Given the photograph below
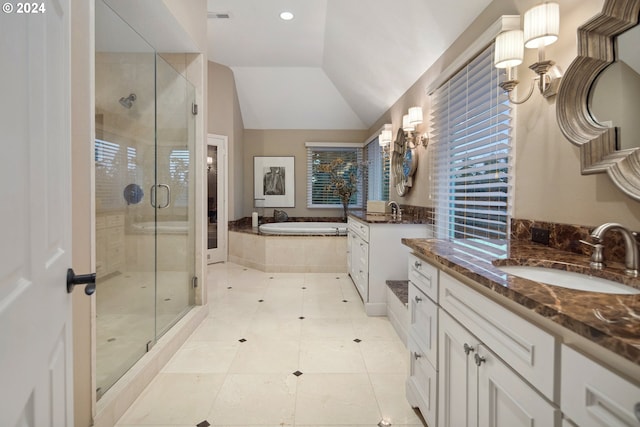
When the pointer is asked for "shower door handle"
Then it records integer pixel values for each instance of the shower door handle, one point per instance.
(152, 196)
(168, 202)
(153, 193)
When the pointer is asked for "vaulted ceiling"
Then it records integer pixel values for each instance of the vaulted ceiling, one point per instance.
(339, 64)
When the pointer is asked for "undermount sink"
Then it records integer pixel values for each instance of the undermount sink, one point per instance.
(568, 279)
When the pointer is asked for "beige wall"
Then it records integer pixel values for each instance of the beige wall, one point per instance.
(548, 183)
(224, 118)
(189, 15)
(290, 143)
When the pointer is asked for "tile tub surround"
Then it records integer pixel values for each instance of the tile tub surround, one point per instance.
(574, 310)
(292, 254)
(567, 237)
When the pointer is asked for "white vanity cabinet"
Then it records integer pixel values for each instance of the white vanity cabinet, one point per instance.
(593, 396)
(422, 384)
(503, 365)
(376, 254)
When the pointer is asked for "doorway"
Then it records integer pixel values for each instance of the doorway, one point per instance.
(217, 192)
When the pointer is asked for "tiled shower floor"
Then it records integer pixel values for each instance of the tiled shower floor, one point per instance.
(280, 349)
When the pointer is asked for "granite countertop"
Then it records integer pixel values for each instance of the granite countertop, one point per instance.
(386, 218)
(611, 321)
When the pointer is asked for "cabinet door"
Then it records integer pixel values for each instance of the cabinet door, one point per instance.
(505, 400)
(423, 323)
(593, 396)
(458, 381)
(422, 384)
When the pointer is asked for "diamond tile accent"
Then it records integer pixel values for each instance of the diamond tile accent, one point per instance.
(205, 423)
(297, 373)
(344, 300)
(357, 340)
(260, 300)
(301, 317)
(242, 340)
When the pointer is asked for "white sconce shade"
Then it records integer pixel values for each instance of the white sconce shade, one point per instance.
(415, 116)
(209, 160)
(541, 25)
(385, 136)
(406, 125)
(509, 50)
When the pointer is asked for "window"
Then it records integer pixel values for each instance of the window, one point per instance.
(179, 176)
(115, 169)
(317, 181)
(378, 163)
(471, 119)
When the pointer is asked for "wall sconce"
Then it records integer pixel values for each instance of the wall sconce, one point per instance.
(409, 123)
(385, 138)
(209, 163)
(541, 28)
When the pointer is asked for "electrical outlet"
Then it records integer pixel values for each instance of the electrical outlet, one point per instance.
(540, 235)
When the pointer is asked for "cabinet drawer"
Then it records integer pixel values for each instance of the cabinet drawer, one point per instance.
(423, 323)
(522, 345)
(422, 386)
(359, 228)
(424, 276)
(593, 396)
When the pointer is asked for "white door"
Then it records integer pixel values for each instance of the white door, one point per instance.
(35, 249)
(217, 199)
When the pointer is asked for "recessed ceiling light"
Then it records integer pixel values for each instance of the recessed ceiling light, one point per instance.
(286, 16)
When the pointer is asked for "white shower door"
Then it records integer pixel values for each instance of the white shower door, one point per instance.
(35, 249)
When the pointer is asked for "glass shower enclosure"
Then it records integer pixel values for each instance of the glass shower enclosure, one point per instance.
(144, 196)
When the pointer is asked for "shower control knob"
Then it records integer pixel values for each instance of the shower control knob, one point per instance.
(81, 279)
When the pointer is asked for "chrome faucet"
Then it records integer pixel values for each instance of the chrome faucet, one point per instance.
(632, 257)
(396, 212)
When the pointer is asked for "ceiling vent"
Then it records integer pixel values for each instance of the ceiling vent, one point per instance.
(218, 15)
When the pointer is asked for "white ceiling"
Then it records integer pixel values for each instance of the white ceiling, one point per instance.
(339, 64)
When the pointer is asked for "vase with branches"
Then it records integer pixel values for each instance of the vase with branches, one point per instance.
(343, 180)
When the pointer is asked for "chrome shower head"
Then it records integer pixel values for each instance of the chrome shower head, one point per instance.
(128, 101)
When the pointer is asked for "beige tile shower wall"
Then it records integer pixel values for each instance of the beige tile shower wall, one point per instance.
(290, 143)
(548, 183)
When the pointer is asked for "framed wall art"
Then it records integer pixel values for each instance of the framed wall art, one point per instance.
(274, 182)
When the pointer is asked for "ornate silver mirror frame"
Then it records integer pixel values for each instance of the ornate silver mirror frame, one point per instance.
(597, 142)
(404, 162)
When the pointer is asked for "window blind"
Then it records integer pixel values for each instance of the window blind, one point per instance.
(318, 194)
(472, 124)
(115, 168)
(378, 167)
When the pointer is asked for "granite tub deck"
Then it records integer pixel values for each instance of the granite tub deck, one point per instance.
(611, 321)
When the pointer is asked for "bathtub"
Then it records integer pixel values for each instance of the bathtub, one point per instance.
(163, 227)
(305, 228)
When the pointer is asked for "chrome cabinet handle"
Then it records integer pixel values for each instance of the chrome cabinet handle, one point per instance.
(468, 349)
(416, 355)
(479, 359)
(418, 299)
(417, 264)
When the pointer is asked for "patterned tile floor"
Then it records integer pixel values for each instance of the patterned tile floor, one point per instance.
(283, 349)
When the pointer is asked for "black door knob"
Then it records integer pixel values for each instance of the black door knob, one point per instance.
(81, 279)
